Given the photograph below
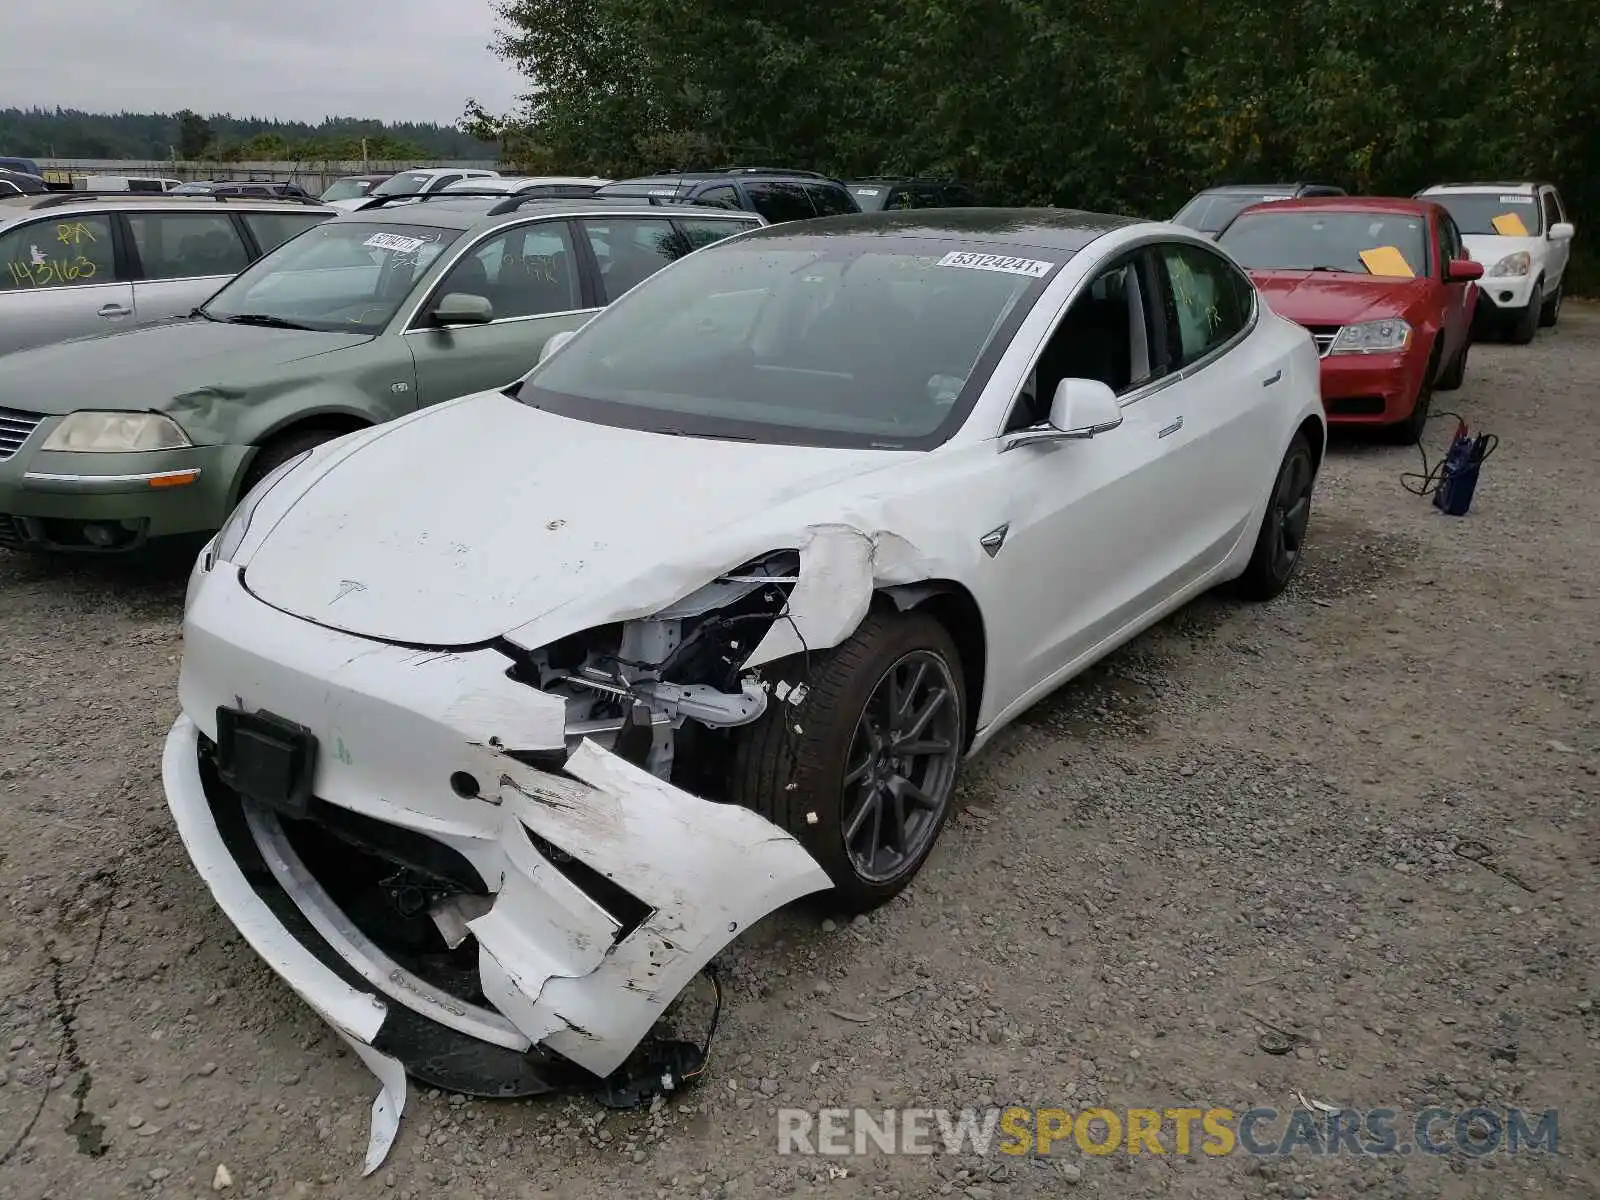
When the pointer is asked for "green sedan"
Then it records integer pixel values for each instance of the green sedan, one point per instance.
(110, 443)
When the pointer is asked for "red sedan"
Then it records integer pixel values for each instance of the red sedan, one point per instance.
(1386, 289)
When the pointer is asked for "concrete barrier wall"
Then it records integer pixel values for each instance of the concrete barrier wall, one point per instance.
(313, 176)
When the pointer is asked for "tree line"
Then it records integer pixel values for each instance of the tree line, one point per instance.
(1128, 105)
(69, 133)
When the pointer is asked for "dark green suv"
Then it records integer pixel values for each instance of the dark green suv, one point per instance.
(109, 442)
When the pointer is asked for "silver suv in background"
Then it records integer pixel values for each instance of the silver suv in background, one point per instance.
(72, 264)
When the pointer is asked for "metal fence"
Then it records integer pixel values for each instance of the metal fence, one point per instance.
(313, 176)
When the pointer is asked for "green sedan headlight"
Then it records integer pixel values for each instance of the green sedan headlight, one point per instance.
(116, 433)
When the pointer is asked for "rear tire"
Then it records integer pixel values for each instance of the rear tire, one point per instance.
(1528, 319)
(854, 755)
(1281, 540)
(1551, 312)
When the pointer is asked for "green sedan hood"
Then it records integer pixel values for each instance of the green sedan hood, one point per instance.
(164, 367)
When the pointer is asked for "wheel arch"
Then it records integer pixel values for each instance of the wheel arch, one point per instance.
(954, 607)
(339, 421)
(1316, 434)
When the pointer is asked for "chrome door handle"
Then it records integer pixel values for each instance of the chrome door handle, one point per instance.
(1272, 379)
(115, 310)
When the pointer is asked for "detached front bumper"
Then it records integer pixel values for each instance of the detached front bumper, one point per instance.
(113, 503)
(1371, 389)
(427, 752)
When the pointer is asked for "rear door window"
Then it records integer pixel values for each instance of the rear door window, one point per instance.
(831, 201)
(629, 251)
(60, 253)
(1210, 301)
(187, 245)
(719, 197)
(779, 202)
(271, 230)
(702, 231)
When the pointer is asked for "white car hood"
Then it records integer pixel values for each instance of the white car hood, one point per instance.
(486, 518)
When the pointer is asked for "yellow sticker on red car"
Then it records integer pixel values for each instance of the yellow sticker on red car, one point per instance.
(1387, 260)
(1509, 225)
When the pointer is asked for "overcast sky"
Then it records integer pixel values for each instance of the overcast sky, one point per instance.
(397, 60)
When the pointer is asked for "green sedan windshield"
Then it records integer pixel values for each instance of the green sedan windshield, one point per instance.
(340, 277)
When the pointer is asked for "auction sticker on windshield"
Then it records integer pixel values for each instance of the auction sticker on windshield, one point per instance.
(1037, 268)
(395, 242)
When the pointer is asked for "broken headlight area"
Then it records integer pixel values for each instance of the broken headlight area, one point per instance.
(666, 691)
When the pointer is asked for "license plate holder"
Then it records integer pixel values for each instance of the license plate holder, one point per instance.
(266, 758)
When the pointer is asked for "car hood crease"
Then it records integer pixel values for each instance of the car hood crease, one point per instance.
(144, 368)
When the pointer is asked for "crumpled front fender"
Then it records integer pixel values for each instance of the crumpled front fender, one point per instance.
(707, 871)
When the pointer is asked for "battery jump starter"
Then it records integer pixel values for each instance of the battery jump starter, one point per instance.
(1453, 481)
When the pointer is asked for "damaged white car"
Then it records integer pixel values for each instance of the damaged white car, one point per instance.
(502, 719)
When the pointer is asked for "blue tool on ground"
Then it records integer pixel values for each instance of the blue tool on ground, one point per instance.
(1459, 478)
(1453, 481)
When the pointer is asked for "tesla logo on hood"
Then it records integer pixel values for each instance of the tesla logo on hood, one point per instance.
(346, 586)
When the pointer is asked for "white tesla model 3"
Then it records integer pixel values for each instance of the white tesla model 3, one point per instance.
(501, 719)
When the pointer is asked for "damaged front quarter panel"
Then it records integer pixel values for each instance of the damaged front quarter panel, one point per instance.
(705, 871)
(607, 881)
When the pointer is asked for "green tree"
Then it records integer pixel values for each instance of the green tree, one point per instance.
(194, 135)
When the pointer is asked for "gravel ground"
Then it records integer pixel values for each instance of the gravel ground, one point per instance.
(1251, 820)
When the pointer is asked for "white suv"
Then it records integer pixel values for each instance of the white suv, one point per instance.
(420, 181)
(1521, 235)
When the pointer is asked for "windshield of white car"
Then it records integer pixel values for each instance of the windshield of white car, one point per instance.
(821, 341)
(1210, 211)
(346, 189)
(338, 277)
(1358, 243)
(1477, 212)
(407, 184)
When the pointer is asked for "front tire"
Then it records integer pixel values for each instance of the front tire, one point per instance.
(1551, 312)
(1456, 373)
(1281, 540)
(280, 450)
(863, 770)
(1528, 319)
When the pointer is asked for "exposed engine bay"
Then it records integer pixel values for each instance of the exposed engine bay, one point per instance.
(662, 691)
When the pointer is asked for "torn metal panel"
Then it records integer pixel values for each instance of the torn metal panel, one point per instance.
(362, 953)
(831, 599)
(387, 1106)
(707, 871)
